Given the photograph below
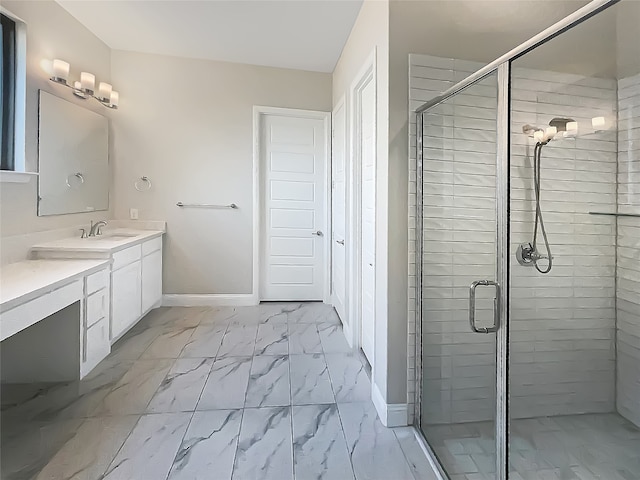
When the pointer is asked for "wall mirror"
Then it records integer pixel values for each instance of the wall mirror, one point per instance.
(73, 158)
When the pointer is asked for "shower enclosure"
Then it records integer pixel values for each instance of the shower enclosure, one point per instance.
(528, 257)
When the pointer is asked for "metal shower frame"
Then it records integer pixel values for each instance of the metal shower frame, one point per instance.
(502, 66)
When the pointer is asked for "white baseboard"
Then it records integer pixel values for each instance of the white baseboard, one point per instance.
(391, 415)
(209, 300)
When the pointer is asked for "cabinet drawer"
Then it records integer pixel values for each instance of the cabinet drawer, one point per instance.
(97, 306)
(151, 246)
(126, 256)
(97, 281)
(97, 345)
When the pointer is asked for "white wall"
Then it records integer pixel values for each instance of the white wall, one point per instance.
(187, 125)
(628, 271)
(371, 32)
(51, 33)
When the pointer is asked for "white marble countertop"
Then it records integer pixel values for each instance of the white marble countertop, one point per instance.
(110, 241)
(23, 281)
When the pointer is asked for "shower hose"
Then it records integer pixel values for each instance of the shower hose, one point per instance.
(537, 157)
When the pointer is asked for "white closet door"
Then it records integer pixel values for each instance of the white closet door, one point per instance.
(338, 213)
(293, 160)
(368, 216)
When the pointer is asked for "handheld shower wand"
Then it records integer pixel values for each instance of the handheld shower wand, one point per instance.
(527, 253)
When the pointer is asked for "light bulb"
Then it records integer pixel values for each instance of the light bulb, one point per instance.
(598, 123)
(550, 132)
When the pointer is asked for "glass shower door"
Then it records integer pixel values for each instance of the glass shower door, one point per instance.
(458, 231)
(574, 327)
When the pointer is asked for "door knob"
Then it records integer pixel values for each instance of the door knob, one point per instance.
(340, 242)
(318, 233)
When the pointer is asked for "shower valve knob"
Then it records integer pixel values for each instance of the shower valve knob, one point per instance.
(526, 255)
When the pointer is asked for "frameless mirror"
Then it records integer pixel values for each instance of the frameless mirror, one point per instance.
(73, 158)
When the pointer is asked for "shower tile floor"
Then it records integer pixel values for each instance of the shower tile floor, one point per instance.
(248, 393)
(571, 447)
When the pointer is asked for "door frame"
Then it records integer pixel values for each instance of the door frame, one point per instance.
(342, 103)
(258, 211)
(502, 192)
(366, 74)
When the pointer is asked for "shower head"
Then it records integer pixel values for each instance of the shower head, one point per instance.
(561, 123)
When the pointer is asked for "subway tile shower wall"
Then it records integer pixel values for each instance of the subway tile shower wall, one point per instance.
(562, 328)
(459, 201)
(563, 323)
(628, 268)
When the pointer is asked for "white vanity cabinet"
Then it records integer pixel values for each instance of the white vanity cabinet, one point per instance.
(131, 287)
(125, 298)
(95, 340)
(151, 274)
(54, 319)
(136, 284)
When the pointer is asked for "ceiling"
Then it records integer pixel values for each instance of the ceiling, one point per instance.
(310, 34)
(300, 34)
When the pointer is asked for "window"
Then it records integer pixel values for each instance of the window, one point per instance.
(8, 92)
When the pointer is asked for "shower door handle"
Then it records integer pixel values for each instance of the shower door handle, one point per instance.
(472, 306)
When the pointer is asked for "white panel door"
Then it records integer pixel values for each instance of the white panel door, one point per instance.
(293, 160)
(338, 214)
(368, 215)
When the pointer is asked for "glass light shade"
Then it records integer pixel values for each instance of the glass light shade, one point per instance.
(598, 123)
(60, 69)
(104, 91)
(88, 82)
(538, 135)
(115, 98)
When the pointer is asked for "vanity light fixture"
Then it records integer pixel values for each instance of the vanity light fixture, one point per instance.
(85, 88)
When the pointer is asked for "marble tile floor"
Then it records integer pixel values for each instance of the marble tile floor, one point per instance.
(247, 393)
(571, 447)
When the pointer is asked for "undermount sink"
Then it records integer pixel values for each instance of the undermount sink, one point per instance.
(115, 236)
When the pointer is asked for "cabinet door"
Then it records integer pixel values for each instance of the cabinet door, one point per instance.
(97, 346)
(126, 298)
(151, 279)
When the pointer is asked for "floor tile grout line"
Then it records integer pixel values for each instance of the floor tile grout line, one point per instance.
(121, 446)
(293, 455)
(193, 412)
(235, 454)
(344, 435)
(150, 413)
(180, 444)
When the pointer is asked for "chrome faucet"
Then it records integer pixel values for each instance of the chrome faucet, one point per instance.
(95, 228)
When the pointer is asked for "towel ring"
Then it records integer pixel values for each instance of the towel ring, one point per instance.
(138, 184)
(78, 175)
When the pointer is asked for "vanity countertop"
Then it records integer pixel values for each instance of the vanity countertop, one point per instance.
(23, 281)
(110, 241)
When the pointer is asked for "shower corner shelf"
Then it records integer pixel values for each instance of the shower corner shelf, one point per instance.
(614, 214)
